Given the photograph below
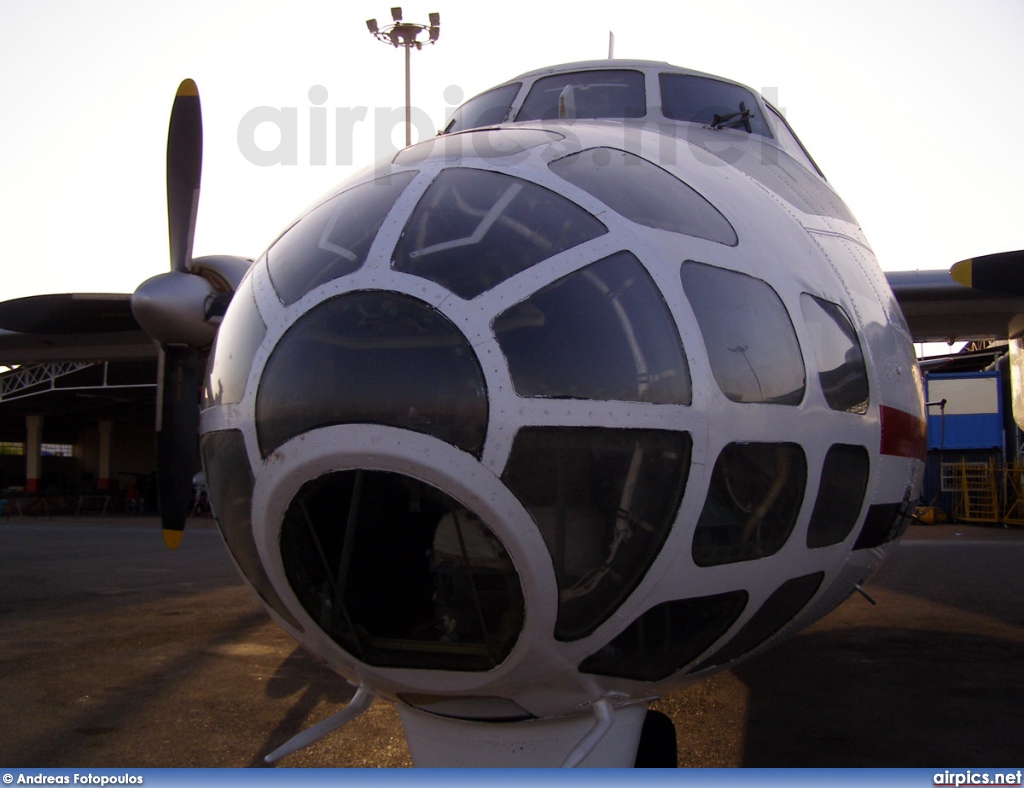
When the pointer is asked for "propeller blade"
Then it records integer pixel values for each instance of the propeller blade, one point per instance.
(184, 171)
(1002, 272)
(177, 437)
(177, 408)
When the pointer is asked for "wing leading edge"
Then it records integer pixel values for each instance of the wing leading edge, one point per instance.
(980, 298)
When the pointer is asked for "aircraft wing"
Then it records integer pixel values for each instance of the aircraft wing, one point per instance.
(980, 298)
(977, 299)
(71, 327)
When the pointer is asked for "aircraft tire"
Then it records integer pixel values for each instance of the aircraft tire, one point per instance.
(657, 749)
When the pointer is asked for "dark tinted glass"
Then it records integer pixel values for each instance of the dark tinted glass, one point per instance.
(777, 611)
(883, 523)
(230, 483)
(487, 109)
(788, 139)
(333, 239)
(604, 332)
(374, 358)
(699, 99)
(586, 94)
(844, 480)
(841, 370)
(667, 637)
(645, 193)
(753, 349)
(752, 504)
(399, 574)
(604, 501)
(474, 228)
(238, 339)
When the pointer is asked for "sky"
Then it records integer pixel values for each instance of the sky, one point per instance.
(914, 110)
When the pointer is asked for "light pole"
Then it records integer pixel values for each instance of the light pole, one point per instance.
(407, 35)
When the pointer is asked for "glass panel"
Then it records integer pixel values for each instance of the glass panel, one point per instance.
(645, 193)
(374, 358)
(788, 140)
(473, 229)
(752, 504)
(604, 332)
(777, 611)
(754, 353)
(841, 370)
(400, 574)
(238, 338)
(699, 99)
(667, 637)
(334, 238)
(844, 480)
(885, 522)
(604, 501)
(586, 94)
(229, 483)
(487, 109)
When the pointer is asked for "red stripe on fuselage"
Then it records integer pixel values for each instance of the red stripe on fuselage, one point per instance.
(903, 435)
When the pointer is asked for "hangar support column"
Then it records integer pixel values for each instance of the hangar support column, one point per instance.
(103, 480)
(34, 438)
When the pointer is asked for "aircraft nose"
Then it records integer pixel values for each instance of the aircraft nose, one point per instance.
(396, 571)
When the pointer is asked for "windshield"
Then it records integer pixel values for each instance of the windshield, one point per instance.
(586, 94)
(711, 102)
(487, 109)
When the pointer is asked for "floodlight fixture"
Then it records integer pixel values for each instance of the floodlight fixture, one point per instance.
(407, 35)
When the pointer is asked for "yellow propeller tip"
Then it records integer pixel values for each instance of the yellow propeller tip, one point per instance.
(188, 87)
(961, 272)
(172, 538)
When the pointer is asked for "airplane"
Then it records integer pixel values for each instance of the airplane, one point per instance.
(599, 392)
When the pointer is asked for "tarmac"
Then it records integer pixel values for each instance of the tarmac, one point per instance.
(115, 652)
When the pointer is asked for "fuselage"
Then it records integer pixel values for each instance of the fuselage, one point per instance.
(596, 393)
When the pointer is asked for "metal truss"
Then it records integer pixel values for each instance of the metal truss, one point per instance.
(29, 381)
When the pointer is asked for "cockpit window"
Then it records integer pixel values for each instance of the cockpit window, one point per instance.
(844, 379)
(238, 339)
(711, 102)
(230, 483)
(667, 637)
(487, 109)
(373, 357)
(473, 229)
(604, 501)
(844, 480)
(788, 140)
(752, 504)
(604, 332)
(777, 611)
(753, 349)
(645, 193)
(334, 238)
(400, 574)
(586, 94)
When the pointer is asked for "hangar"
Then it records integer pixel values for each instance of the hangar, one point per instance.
(77, 414)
